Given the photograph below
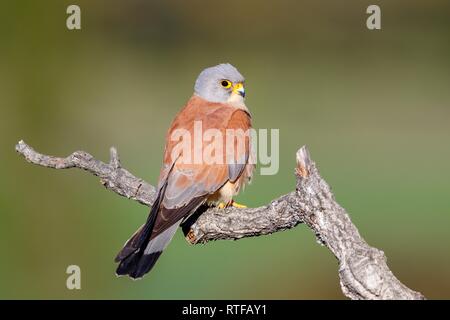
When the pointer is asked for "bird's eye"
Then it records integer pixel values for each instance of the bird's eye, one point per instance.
(225, 83)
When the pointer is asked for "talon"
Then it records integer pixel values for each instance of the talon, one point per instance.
(221, 205)
(191, 236)
(238, 205)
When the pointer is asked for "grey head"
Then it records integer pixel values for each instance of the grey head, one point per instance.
(221, 83)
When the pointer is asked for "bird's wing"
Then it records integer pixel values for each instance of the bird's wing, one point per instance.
(239, 150)
(187, 188)
(188, 185)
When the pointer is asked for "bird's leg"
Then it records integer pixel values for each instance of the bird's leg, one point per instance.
(221, 205)
(232, 203)
(237, 205)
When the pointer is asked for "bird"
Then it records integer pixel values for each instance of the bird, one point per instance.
(218, 103)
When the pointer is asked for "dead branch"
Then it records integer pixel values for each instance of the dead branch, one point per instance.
(363, 271)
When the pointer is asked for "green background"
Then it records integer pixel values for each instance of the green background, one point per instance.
(372, 106)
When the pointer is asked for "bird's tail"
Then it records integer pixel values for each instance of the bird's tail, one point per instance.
(136, 262)
(140, 252)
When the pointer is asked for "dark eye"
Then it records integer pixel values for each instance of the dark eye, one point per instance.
(226, 84)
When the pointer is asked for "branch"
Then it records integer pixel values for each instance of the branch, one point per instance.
(363, 271)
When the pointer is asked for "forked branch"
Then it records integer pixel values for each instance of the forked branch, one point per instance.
(363, 271)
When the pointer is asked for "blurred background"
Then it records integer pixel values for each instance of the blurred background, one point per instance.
(372, 106)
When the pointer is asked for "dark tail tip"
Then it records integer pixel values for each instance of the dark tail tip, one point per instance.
(137, 265)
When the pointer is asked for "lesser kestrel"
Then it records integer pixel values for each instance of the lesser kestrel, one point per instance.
(184, 185)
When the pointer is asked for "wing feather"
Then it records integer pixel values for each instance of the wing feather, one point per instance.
(188, 185)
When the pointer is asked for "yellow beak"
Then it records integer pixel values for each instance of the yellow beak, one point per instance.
(238, 88)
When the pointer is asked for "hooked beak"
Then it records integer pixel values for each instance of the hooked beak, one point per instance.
(239, 89)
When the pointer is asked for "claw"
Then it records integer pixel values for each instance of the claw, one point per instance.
(238, 205)
(232, 203)
(191, 236)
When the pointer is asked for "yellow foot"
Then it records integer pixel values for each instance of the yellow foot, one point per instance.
(221, 205)
(191, 236)
(237, 205)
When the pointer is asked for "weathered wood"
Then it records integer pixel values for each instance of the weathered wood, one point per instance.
(363, 271)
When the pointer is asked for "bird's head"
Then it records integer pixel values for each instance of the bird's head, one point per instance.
(222, 83)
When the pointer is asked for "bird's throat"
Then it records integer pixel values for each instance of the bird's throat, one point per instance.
(237, 101)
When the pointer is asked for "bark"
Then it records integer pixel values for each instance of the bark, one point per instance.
(363, 271)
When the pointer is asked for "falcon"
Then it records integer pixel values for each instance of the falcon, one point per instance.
(184, 185)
